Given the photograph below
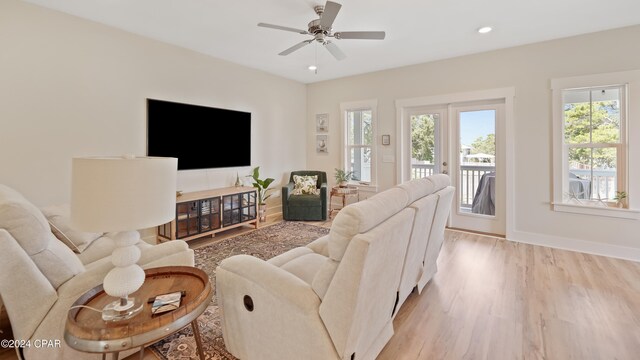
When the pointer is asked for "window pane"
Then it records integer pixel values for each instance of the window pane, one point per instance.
(592, 173)
(360, 163)
(604, 173)
(577, 111)
(367, 129)
(592, 116)
(350, 123)
(605, 118)
(579, 174)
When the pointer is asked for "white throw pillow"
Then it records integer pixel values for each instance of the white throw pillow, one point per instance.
(305, 184)
(60, 221)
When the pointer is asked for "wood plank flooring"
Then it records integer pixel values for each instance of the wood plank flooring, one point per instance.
(496, 299)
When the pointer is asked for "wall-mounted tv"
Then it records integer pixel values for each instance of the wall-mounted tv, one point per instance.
(200, 137)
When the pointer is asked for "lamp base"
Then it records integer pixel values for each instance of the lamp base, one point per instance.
(122, 309)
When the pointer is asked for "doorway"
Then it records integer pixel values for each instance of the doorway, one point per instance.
(463, 136)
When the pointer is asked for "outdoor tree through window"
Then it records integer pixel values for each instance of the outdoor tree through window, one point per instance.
(594, 142)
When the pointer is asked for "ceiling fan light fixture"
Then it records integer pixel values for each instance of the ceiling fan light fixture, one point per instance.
(485, 30)
(312, 68)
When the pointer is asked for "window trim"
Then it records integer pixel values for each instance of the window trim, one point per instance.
(624, 80)
(371, 104)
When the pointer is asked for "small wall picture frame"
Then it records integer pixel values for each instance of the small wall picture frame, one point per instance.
(322, 144)
(322, 123)
(386, 139)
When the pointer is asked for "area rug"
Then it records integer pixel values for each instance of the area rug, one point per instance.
(263, 243)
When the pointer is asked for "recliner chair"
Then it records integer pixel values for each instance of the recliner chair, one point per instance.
(307, 206)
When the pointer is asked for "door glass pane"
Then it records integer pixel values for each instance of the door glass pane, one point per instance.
(477, 162)
(423, 145)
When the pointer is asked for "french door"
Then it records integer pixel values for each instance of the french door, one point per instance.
(466, 141)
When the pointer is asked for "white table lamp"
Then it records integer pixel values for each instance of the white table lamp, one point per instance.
(123, 194)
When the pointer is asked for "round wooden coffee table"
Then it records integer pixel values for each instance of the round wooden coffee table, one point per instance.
(86, 331)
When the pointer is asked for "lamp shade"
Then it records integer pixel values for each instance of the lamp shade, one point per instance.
(122, 193)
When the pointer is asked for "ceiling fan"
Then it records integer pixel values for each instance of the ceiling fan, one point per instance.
(321, 31)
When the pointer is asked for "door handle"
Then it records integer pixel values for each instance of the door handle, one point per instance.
(444, 163)
(445, 172)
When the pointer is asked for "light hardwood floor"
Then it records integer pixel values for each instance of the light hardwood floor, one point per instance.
(496, 299)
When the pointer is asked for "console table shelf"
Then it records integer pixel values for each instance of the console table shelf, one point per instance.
(204, 213)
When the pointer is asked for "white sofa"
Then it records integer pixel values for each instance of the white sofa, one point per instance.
(42, 277)
(336, 298)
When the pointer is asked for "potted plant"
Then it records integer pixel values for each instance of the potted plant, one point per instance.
(343, 177)
(263, 187)
(619, 198)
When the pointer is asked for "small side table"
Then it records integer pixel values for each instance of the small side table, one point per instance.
(344, 193)
(86, 331)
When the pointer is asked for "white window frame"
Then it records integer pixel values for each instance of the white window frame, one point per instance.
(624, 80)
(371, 105)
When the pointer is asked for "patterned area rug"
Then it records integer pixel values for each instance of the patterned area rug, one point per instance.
(263, 243)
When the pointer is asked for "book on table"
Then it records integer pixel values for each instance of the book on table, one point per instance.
(166, 302)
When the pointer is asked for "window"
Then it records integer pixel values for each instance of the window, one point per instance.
(594, 120)
(359, 140)
(591, 158)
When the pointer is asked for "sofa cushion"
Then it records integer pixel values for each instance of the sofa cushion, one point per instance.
(27, 293)
(28, 226)
(59, 217)
(362, 216)
(418, 188)
(301, 262)
(440, 181)
(103, 247)
(305, 200)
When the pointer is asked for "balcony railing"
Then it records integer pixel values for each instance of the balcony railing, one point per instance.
(603, 181)
(421, 170)
(469, 178)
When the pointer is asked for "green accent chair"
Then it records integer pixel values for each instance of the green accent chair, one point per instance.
(305, 207)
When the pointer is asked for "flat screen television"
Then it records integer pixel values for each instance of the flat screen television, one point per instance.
(200, 137)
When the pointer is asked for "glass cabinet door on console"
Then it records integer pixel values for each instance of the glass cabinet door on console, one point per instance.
(187, 223)
(248, 206)
(231, 209)
(209, 214)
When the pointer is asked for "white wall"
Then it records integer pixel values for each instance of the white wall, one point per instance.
(71, 87)
(528, 69)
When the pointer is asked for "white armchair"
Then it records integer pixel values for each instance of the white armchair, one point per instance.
(42, 277)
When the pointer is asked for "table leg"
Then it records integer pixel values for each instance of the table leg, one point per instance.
(104, 356)
(196, 334)
(142, 352)
(114, 356)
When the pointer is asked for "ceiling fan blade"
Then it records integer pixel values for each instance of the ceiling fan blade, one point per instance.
(278, 27)
(335, 51)
(295, 47)
(329, 15)
(364, 35)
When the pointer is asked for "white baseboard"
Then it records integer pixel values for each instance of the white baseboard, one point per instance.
(583, 246)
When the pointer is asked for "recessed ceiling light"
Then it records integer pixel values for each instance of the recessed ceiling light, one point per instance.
(312, 68)
(485, 30)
